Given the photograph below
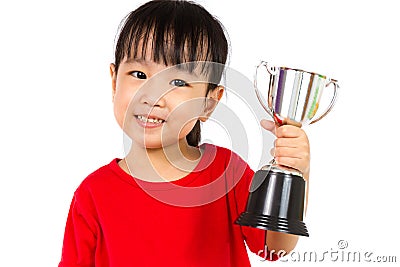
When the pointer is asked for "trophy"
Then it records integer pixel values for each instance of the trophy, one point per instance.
(277, 193)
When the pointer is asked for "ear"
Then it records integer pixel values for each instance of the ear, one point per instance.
(213, 97)
(113, 79)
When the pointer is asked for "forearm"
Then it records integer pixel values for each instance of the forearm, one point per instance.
(280, 243)
(277, 241)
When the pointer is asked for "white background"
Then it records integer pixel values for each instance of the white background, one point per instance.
(57, 124)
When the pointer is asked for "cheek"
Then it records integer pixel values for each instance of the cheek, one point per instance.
(188, 110)
(187, 128)
(172, 133)
(121, 105)
(183, 116)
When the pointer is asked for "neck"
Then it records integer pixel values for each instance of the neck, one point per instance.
(161, 164)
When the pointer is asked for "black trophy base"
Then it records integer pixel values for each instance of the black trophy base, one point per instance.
(276, 203)
(270, 223)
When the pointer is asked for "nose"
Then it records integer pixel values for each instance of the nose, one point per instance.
(153, 92)
(152, 100)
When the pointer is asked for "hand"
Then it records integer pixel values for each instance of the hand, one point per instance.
(292, 148)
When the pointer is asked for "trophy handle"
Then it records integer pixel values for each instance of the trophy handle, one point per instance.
(335, 90)
(272, 71)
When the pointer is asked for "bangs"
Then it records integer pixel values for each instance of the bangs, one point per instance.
(166, 43)
(173, 32)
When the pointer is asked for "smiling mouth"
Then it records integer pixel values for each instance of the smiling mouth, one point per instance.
(145, 119)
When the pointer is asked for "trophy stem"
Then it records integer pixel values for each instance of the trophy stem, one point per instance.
(273, 166)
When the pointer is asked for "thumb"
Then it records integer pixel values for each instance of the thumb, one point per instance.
(268, 125)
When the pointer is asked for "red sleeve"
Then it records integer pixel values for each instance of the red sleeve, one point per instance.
(255, 238)
(79, 237)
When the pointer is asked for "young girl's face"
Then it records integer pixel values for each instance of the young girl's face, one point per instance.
(157, 105)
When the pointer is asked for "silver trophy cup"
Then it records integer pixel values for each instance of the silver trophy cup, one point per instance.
(277, 193)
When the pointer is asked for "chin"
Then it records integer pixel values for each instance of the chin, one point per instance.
(153, 144)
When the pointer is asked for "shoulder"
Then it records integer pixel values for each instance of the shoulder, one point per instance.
(222, 153)
(102, 173)
(99, 179)
(96, 187)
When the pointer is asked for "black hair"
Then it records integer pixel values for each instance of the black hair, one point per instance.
(178, 32)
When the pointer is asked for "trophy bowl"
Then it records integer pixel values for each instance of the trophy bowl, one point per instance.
(277, 193)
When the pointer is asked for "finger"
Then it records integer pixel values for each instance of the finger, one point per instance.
(272, 152)
(289, 152)
(268, 125)
(291, 142)
(289, 131)
(294, 163)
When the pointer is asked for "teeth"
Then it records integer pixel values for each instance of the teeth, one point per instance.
(145, 119)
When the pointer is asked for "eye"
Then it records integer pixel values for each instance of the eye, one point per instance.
(138, 74)
(178, 83)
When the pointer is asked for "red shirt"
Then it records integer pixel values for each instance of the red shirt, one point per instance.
(116, 220)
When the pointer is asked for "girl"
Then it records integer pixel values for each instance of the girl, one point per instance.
(171, 201)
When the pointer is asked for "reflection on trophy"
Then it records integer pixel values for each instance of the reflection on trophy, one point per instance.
(276, 197)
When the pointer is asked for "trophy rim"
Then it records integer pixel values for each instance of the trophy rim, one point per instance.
(302, 70)
(281, 169)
